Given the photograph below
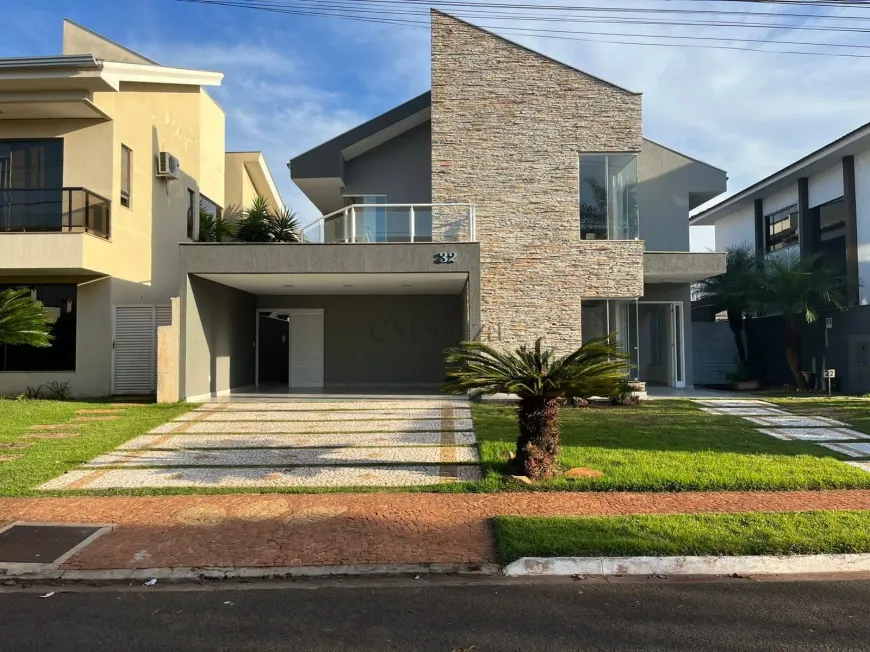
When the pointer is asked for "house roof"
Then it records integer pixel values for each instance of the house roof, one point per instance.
(852, 143)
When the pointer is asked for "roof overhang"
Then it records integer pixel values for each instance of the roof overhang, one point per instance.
(258, 170)
(681, 267)
(333, 284)
(41, 105)
(851, 144)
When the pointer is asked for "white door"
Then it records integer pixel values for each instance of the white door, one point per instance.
(134, 353)
(306, 348)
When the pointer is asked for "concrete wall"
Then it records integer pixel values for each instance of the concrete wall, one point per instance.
(218, 335)
(508, 126)
(665, 179)
(239, 189)
(862, 200)
(736, 228)
(92, 376)
(400, 168)
(383, 340)
(80, 40)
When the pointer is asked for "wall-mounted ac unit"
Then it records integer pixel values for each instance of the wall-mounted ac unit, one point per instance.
(168, 166)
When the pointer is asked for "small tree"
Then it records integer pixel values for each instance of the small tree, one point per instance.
(735, 291)
(23, 320)
(254, 223)
(283, 226)
(540, 379)
(797, 288)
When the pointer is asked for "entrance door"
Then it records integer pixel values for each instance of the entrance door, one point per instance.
(678, 374)
(662, 355)
(306, 349)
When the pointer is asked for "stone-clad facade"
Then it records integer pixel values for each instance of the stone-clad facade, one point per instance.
(508, 126)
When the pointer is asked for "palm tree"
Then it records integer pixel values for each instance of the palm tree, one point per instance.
(215, 228)
(283, 226)
(797, 288)
(735, 290)
(23, 320)
(254, 223)
(540, 379)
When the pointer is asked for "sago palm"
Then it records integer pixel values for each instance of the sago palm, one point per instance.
(797, 288)
(539, 378)
(283, 226)
(23, 320)
(735, 290)
(254, 223)
(215, 228)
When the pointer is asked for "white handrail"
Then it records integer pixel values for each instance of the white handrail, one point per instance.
(349, 215)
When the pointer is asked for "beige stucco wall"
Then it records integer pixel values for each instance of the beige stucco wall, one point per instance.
(212, 149)
(240, 190)
(508, 126)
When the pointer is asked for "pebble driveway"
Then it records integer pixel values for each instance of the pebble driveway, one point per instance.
(334, 443)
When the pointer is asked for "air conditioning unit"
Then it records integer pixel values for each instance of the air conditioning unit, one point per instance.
(168, 166)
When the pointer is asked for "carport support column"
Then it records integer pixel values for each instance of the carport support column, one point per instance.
(851, 229)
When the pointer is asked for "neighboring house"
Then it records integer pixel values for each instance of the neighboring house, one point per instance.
(518, 200)
(818, 204)
(91, 219)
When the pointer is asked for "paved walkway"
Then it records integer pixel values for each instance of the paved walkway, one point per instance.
(294, 443)
(331, 529)
(781, 424)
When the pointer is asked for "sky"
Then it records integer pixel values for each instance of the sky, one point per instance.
(292, 81)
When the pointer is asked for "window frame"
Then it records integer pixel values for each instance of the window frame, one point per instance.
(608, 217)
(126, 196)
(786, 213)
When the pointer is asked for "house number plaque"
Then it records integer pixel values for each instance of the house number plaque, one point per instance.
(445, 258)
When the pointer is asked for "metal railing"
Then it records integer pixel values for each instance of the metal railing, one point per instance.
(383, 223)
(54, 210)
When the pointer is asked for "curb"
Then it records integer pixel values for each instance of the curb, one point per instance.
(707, 565)
(182, 574)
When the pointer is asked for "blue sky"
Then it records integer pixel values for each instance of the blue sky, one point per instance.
(292, 82)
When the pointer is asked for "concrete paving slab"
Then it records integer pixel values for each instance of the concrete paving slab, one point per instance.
(320, 406)
(752, 411)
(793, 421)
(734, 403)
(277, 457)
(312, 476)
(260, 440)
(814, 434)
(301, 427)
(864, 466)
(861, 449)
(322, 416)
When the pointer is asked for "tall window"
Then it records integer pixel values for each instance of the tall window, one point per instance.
(206, 205)
(781, 228)
(31, 178)
(608, 197)
(59, 302)
(126, 175)
(191, 213)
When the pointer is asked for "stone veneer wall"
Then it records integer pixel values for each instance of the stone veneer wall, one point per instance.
(508, 125)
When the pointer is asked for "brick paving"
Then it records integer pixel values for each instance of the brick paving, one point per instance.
(327, 529)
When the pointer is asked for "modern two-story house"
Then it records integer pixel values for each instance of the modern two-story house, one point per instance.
(518, 199)
(106, 159)
(820, 205)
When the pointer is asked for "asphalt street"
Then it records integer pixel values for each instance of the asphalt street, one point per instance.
(442, 616)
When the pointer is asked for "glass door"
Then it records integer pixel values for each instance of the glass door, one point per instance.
(678, 358)
(370, 218)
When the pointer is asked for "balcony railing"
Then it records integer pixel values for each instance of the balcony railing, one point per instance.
(54, 210)
(381, 223)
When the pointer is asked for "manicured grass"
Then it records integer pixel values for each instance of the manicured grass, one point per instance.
(854, 411)
(49, 458)
(666, 446)
(683, 534)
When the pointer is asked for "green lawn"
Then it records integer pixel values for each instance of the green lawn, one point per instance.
(683, 534)
(48, 458)
(666, 446)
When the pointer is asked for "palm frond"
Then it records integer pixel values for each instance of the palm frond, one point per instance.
(284, 226)
(253, 226)
(23, 320)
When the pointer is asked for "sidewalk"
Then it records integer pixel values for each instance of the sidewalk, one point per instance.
(340, 529)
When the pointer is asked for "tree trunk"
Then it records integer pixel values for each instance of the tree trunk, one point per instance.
(792, 340)
(538, 443)
(735, 321)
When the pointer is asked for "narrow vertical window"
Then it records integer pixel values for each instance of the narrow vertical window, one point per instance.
(191, 213)
(126, 175)
(608, 197)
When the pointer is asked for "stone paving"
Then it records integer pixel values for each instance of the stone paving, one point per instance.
(332, 443)
(816, 429)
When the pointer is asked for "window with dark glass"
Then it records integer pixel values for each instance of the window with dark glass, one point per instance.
(191, 213)
(207, 206)
(782, 229)
(31, 178)
(126, 174)
(608, 197)
(59, 302)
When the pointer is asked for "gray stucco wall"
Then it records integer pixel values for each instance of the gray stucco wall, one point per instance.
(393, 340)
(665, 179)
(400, 168)
(676, 292)
(218, 337)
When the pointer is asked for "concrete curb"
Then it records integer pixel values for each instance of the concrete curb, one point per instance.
(186, 574)
(707, 565)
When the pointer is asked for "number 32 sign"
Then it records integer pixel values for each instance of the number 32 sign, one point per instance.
(444, 258)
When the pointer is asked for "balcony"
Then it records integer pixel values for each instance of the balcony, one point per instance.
(54, 210)
(398, 223)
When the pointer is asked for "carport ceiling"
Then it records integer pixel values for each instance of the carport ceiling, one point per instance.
(419, 283)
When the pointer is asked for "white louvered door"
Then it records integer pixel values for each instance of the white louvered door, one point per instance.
(134, 355)
(306, 348)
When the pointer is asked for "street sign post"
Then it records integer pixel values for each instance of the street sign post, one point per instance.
(830, 374)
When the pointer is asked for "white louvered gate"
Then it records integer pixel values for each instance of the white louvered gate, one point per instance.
(306, 348)
(134, 355)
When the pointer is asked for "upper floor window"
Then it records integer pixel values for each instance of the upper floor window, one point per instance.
(191, 214)
(608, 197)
(207, 206)
(781, 229)
(126, 175)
